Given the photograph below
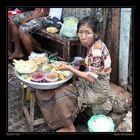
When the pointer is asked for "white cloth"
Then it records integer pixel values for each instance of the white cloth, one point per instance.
(55, 12)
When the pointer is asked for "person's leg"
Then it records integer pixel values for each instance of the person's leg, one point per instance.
(9, 40)
(15, 36)
(14, 23)
(29, 28)
(26, 41)
(70, 128)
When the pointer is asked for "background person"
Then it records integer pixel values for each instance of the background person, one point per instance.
(24, 25)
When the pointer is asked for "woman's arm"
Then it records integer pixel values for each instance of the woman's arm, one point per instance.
(81, 74)
(37, 13)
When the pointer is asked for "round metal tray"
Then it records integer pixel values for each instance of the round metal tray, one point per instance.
(43, 86)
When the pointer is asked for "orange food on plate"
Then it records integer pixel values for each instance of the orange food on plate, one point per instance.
(51, 77)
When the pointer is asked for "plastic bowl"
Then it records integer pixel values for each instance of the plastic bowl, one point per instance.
(46, 68)
(37, 76)
(53, 75)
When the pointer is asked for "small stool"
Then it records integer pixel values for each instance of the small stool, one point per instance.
(30, 114)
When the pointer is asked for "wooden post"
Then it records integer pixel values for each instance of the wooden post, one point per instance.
(114, 52)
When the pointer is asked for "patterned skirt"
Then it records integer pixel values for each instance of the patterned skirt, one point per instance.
(94, 96)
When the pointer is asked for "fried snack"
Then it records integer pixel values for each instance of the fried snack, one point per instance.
(55, 66)
(62, 74)
(58, 66)
(51, 65)
(61, 77)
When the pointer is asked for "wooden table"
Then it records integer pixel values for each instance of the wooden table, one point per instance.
(67, 43)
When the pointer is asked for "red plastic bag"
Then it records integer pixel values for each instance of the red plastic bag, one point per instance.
(15, 12)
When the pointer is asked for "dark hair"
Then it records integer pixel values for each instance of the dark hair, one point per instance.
(92, 22)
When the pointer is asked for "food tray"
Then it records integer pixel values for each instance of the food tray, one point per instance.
(43, 86)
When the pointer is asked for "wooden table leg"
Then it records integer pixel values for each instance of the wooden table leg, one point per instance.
(30, 114)
(24, 108)
(66, 53)
(23, 94)
(32, 97)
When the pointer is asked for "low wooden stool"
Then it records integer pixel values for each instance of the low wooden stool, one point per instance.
(30, 113)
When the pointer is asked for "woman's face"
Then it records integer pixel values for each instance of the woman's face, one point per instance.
(86, 35)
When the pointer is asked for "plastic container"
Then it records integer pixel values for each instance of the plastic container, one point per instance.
(100, 123)
(37, 76)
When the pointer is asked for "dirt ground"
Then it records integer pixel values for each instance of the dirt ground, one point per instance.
(17, 121)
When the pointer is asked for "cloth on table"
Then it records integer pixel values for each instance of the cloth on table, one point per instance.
(59, 106)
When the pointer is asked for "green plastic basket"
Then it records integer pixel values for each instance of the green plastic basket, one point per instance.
(92, 125)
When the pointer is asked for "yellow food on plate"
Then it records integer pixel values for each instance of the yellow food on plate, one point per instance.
(27, 66)
(62, 74)
(61, 77)
(55, 66)
(52, 76)
(52, 30)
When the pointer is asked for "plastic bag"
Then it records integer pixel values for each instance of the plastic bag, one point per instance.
(69, 27)
(34, 55)
(39, 58)
(100, 123)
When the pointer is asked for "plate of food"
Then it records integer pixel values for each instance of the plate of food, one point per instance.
(51, 77)
(41, 84)
(43, 77)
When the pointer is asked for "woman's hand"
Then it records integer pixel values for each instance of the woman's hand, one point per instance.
(64, 67)
(81, 74)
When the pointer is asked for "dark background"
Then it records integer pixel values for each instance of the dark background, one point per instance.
(57, 3)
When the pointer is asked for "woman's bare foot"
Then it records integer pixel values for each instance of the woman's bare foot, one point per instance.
(70, 128)
(15, 55)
